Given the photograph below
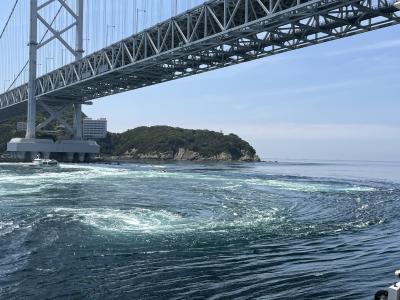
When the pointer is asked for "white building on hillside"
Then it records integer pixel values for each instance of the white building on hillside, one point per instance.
(94, 129)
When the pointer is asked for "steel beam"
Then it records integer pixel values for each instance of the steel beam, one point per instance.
(79, 30)
(214, 35)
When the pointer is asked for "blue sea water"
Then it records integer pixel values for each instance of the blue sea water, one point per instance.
(289, 230)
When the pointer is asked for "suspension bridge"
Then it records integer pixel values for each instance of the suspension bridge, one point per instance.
(157, 42)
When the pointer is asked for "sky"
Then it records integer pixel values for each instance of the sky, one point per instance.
(338, 101)
(335, 101)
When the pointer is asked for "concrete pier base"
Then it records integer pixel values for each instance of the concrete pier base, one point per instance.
(70, 157)
(65, 150)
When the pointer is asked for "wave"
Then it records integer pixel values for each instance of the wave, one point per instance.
(310, 186)
(86, 173)
(8, 227)
(213, 202)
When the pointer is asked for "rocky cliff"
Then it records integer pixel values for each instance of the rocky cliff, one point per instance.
(186, 155)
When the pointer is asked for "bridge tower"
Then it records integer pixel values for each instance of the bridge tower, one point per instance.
(30, 146)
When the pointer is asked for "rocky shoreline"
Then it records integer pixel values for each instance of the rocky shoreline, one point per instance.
(182, 154)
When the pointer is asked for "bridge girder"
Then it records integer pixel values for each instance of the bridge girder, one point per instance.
(217, 34)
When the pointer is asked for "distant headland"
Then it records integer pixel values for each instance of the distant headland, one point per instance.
(170, 143)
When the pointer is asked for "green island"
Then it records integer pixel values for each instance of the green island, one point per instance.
(157, 143)
(170, 143)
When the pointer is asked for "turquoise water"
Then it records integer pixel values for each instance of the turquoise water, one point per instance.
(293, 230)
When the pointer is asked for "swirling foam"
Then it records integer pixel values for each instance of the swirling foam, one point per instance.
(161, 221)
(138, 219)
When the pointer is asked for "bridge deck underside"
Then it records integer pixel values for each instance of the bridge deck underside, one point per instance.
(215, 35)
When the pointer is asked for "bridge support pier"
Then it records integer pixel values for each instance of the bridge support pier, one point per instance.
(73, 149)
(64, 150)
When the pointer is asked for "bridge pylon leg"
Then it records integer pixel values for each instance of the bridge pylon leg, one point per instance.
(77, 122)
(78, 55)
(31, 117)
(35, 18)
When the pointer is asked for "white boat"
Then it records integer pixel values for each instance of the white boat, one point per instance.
(44, 162)
(392, 293)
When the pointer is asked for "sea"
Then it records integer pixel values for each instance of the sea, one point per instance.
(273, 230)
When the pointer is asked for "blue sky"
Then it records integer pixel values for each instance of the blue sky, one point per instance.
(337, 100)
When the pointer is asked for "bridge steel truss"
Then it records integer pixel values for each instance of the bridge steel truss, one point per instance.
(217, 34)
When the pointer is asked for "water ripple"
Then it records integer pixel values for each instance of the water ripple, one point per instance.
(179, 231)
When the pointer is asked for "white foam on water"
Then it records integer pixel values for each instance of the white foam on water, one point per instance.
(360, 189)
(27, 189)
(83, 173)
(5, 224)
(138, 219)
(309, 186)
(8, 227)
(14, 164)
(159, 166)
(161, 221)
(78, 174)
